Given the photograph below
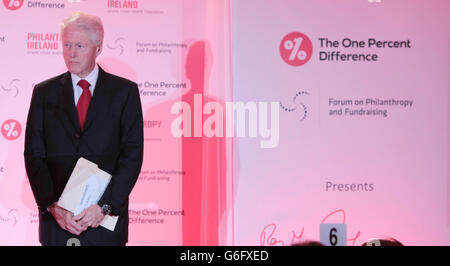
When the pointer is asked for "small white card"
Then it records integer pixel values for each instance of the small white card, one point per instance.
(109, 222)
(333, 234)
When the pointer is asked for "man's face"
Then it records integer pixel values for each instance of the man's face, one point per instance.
(79, 51)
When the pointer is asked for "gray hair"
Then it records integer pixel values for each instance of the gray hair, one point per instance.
(91, 24)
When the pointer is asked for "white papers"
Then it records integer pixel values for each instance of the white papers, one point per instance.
(85, 187)
(93, 191)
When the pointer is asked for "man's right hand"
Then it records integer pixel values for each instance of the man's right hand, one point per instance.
(65, 220)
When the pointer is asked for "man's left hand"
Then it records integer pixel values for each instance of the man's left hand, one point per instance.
(91, 216)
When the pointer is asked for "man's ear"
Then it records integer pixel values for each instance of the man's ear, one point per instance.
(99, 49)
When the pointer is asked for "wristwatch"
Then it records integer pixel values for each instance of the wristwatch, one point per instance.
(106, 209)
(51, 206)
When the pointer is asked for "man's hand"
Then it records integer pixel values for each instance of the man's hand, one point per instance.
(65, 220)
(91, 216)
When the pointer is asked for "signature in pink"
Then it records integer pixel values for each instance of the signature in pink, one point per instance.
(268, 235)
(268, 238)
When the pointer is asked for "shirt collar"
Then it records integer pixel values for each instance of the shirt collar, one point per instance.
(91, 78)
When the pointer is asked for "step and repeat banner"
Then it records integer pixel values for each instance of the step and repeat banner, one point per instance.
(362, 138)
(178, 52)
(262, 119)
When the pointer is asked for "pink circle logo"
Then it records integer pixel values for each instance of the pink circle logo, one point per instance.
(11, 129)
(13, 4)
(296, 49)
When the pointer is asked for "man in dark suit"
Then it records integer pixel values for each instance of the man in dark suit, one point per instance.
(88, 113)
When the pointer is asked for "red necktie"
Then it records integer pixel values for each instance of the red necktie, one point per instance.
(83, 102)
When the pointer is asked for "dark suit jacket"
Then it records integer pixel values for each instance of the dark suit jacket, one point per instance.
(112, 138)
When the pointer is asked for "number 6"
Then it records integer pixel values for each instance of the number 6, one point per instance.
(333, 237)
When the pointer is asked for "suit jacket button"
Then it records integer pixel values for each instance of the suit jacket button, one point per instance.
(77, 135)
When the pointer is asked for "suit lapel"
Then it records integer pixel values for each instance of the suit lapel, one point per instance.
(67, 103)
(99, 101)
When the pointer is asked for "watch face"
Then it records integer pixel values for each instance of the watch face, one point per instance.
(106, 209)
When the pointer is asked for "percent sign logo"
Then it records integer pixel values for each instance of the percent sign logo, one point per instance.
(11, 129)
(296, 49)
(13, 4)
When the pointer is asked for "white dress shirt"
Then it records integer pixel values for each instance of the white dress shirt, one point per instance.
(91, 78)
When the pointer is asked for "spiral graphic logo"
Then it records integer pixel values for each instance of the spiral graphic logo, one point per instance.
(117, 45)
(12, 88)
(10, 218)
(296, 49)
(297, 105)
(13, 4)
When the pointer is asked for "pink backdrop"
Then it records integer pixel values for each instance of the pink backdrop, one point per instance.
(304, 163)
